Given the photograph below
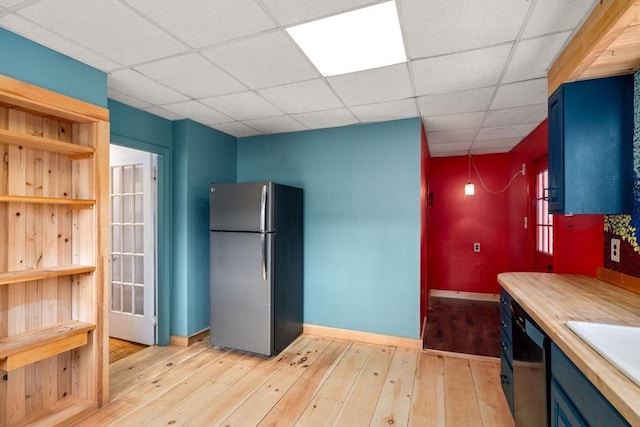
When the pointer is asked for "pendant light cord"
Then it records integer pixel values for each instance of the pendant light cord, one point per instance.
(484, 185)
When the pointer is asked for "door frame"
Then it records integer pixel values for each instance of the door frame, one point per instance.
(535, 166)
(164, 231)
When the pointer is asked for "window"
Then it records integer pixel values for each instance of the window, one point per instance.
(544, 220)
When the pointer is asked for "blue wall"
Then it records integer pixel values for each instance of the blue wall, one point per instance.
(201, 155)
(362, 219)
(25, 60)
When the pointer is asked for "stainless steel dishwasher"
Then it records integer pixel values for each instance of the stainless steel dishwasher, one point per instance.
(531, 373)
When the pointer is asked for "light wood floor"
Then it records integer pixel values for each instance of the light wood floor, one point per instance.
(119, 349)
(315, 382)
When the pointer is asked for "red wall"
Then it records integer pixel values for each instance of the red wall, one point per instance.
(457, 221)
(496, 221)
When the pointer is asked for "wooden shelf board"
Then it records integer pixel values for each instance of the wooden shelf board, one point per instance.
(72, 203)
(46, 144)
(24, 349)
(63, 412)
(44, 273)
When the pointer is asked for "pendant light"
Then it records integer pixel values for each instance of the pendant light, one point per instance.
(469, 188)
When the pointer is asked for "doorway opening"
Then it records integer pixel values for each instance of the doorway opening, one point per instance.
(133, 245)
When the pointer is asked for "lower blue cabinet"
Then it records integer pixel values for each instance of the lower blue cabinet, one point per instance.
(574, 400)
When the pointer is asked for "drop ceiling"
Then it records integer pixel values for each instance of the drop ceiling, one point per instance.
(476, 69)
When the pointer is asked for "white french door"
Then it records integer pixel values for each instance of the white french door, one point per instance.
(133, 242)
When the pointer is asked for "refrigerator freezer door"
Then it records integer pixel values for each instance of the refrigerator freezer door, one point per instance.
(241, 301)
(242, 207)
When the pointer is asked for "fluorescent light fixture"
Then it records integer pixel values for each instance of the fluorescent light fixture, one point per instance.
(353, 41)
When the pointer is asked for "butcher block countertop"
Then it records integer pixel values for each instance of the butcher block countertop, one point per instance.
(553, 299)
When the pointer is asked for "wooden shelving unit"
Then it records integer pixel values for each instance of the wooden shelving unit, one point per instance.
(53, 256)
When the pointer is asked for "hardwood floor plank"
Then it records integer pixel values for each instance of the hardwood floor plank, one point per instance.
(296, 399)
(494, 409)
(428, 408)
(361, 403)
(461, 403)
(395, 399)
(314, 382)
(270, 393)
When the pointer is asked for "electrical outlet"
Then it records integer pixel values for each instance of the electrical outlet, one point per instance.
(615, 250)
(476, 247)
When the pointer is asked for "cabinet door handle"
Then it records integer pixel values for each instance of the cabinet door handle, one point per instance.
(504, 379)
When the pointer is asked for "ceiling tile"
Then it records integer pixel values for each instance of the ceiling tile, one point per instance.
(453, 149)
(495, 150)
(453, 103)
(135, 84)
(451, 136)
(502, 143)
(108, 27)
(271, 125)
(453, 121)
(26, 28)
(390, 83)
(312, 95)
(161, 112)
(204, 23)
(501, 132)
(263, 61)
(533, 58)
(195, 111)
(9, 3)
(127, 99)
(326, 119)
(439, 27)
(392, 110)
(460, 71)
(243, 106)
(289, 12)
(516, 115)
(557, 15)
(522, 93)
(237, 129)
(191, 75)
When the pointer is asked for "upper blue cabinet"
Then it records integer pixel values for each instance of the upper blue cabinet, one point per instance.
(591, 147)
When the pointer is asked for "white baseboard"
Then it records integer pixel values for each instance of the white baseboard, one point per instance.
(477, 296)
(366, 337)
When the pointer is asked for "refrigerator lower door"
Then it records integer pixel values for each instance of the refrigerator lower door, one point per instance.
(241, 291)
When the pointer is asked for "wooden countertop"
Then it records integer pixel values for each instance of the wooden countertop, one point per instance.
(553, 299)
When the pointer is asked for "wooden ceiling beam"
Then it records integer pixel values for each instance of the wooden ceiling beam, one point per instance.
(608, 20)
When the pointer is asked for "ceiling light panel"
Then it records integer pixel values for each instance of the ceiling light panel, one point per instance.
(192, 75)
(263, 61)
(354, 41)
(391, 83)
(312, 95)
(451, 73)
(203, 23)
(438, 27)
(108, 27)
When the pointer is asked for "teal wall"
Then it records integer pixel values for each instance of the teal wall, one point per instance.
(362, 219)
(25, 60)
(143, 131)
(201, 155)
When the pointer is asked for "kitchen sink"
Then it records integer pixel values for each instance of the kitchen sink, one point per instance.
(619, 344)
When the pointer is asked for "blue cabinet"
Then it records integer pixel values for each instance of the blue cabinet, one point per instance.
(591, 147)
(506, 350)
(574, 400)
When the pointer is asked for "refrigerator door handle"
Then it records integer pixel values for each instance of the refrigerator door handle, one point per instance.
(264, 256)
(263, 209)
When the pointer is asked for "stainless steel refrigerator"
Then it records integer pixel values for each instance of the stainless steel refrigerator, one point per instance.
(256, 266)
